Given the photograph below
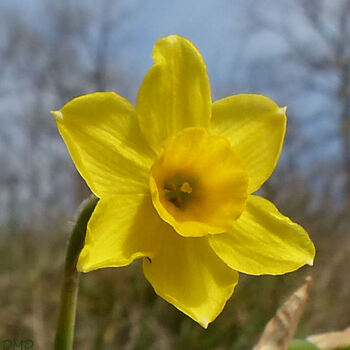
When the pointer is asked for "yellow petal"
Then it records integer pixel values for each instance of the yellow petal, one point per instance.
(175, 93)
(104, 140)
(198, 183)
(121, 229)
(263, 241)
(255, 127)
(189, 275)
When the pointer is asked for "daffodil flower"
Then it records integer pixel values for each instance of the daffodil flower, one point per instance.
(175, 177)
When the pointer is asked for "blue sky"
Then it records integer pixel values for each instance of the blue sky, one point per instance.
(220, 30)
(240, 57)
(223, 31)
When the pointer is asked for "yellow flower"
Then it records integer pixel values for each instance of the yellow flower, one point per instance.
(175, 178)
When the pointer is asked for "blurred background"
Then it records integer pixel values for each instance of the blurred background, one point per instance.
(296, 52)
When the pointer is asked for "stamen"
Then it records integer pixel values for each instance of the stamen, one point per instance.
(177, 191)
(186, 188)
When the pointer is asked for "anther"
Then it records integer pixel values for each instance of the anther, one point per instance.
(186, 188)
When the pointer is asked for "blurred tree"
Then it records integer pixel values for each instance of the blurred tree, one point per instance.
(330, 24)
(312, 72)
(47, 65)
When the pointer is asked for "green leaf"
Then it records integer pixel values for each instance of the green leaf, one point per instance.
(299, 344)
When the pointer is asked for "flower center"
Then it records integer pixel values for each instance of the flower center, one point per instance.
(178, 191)
(198, 183)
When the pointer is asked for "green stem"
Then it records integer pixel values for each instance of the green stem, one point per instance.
(66, 318)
